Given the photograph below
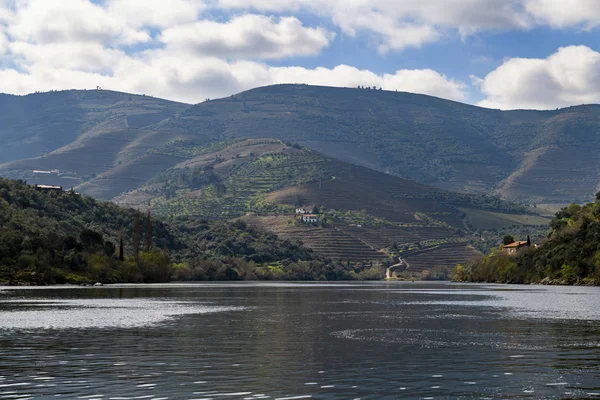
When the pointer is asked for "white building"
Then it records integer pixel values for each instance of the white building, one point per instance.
(310, 218)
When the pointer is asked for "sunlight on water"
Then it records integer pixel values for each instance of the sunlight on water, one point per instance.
(95, 313)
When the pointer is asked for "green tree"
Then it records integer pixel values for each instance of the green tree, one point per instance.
(137, 235)
(148, 231)
(508, 239)
(570, 273)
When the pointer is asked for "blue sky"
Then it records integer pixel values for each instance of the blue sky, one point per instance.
(506, 54)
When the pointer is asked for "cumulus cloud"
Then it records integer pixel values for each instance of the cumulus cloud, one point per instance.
(249, 36)
(569, 76)
(560, 14)
(88, 57)
(3, 43)
(70, 21)
(191, 78)
(159, 13)
(192, 49)
(412, 23)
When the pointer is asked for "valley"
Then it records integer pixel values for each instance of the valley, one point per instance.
(394, 175)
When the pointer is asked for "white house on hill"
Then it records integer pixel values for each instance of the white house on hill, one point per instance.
(302, 210)
(310, 218)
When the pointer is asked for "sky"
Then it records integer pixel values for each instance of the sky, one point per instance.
(506, 54)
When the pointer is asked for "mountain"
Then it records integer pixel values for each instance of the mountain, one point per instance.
(531, 156)
(106, 143)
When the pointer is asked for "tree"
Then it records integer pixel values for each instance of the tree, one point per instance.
(508, 239)
(315, 210)
(148, 232)
(136, 235)
(121, 254)
(90, 239)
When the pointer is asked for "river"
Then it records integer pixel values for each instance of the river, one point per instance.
(299, 341)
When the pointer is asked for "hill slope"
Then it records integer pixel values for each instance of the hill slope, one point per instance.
(362, 212)
(60, 237)
(530, 156)
(570, 255)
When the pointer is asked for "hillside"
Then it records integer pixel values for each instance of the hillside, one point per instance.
(570, 255)
(43, 123)
(106, 143)
(62, 237)
(363, 213)
(532, 156)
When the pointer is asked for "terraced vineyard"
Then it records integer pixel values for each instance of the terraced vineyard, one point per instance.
(447, 256)
(382, 238)
(331, 242)
(192, 148)
(244, 189)
(353, 187)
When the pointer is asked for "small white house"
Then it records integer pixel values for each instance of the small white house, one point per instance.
(302, 210)
(310, 218)
(48, 188)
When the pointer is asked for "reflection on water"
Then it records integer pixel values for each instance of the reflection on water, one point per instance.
(300, 341)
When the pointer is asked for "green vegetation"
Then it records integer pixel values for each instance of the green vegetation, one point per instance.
(241, 190)
(570, 255)
(61, 237)
(190, 148)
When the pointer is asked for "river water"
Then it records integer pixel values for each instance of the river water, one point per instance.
(296, 341)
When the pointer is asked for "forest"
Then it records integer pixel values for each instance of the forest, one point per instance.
(62, 237)
(570, 255)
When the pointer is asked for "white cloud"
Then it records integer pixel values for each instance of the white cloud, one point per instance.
(249, 36)
(89, 57)
(161, 47)
(412, 23)
(158, 13)
(569, 76)
(3, 43)
(191, 78)
(55, 21)
(6, 15)
(409, 23)
(561, 13)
